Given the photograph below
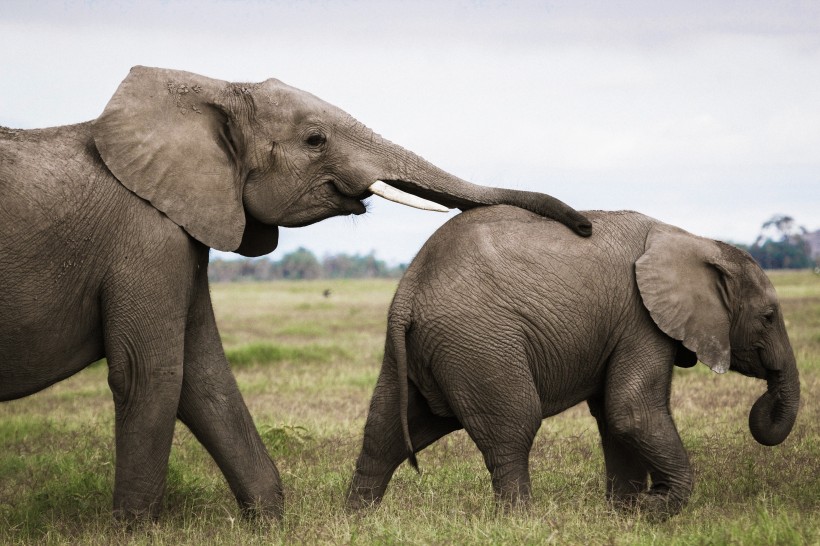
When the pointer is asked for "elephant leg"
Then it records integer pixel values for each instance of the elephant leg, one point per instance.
(383, 447)
(502, 413)
(638, 415)
(144, 339)
(626, 473)
(212, 407)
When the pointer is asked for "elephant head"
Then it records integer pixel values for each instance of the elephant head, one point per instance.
(229, 162)
(719, 303)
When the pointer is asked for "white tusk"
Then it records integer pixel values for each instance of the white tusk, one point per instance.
(396, 195)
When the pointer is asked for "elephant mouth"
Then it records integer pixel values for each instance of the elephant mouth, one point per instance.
(743, 362)
(323, 201)
(344, 203)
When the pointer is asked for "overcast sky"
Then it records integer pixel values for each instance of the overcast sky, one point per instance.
(703, 114)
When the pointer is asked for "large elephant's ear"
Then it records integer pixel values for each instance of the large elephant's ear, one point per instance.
(165, 137)
(683, 283)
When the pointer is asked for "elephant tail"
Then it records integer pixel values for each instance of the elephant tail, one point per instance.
(397, 331)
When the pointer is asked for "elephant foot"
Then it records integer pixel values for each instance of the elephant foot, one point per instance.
(264, 510)
(513, 495)
(657, 507)
(624, 503)
(358, 503)
(133, 520)
(362, 497)
(512, 505)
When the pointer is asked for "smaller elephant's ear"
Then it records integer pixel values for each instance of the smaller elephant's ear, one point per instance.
(165, 137)
(683, 283)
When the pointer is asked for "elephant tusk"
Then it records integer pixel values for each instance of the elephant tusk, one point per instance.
(398, 196)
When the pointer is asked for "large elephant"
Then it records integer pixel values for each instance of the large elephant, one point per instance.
(504, 319)
(105, 228)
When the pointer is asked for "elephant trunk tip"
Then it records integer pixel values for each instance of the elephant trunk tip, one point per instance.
(550, 207)
(584, 228)
(773, 414)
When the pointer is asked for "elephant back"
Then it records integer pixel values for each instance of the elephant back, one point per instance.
(506, 256)
(503, 235)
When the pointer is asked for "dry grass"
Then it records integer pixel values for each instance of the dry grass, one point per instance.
(307, 365)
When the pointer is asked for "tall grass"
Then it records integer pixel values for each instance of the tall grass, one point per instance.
(307, 365)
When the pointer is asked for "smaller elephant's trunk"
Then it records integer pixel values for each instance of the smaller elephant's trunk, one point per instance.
(772, 416)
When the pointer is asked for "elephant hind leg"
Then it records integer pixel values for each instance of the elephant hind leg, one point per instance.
(501, 412)
(383, 447)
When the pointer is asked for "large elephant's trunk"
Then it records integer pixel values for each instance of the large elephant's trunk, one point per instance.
(773, 415)
(410, 173)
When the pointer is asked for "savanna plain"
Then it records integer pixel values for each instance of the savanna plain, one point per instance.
(307, 364)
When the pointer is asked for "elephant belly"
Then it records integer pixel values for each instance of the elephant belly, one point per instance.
(33, 361)
(558, 398)
(566, 369)
(43, 341)
(458, 352)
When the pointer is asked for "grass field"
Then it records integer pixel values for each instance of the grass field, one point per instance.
(307, 364)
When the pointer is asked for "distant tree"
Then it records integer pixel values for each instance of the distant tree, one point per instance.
(781, 245)
(346, 266)
(300, 264)
(338, 266)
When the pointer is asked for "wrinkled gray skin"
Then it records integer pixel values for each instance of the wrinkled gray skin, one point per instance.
(505, 318)
(105, 228)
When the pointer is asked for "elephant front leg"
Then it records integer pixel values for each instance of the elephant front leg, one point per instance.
(638, 416)
(212, 407)
(626, 474)
(145, 374)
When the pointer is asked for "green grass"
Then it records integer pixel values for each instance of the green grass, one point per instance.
(307, 365)
(268, 353)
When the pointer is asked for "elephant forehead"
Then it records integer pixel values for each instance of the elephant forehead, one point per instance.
(279, 100)
(755, 287)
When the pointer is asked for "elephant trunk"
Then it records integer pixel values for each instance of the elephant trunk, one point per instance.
(773, 415)
(410, 173)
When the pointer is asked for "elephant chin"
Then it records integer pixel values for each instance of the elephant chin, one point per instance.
(772, 417)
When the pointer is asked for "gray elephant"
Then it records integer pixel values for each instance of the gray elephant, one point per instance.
(105, 228)
(504, 319)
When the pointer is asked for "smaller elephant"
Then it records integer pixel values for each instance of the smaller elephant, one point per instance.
(505, 318)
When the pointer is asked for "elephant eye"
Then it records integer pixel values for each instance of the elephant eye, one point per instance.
(315, 140)
(768, 316)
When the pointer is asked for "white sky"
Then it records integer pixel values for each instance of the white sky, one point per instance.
(704, 114)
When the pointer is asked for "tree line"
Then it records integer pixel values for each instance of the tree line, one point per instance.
(782, 244)
(303, 264)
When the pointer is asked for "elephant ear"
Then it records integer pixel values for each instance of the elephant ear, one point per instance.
(683, 283)
(166, 138)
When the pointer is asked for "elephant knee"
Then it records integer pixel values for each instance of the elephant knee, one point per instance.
(625, 424)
